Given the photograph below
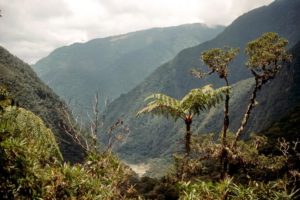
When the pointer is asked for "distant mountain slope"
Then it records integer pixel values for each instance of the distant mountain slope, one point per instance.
(155, 136)
(288, 127)
(31, 93)
(114, 65)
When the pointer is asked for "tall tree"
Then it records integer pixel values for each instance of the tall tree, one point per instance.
(218, 60)
(266, 55)
(193, 103)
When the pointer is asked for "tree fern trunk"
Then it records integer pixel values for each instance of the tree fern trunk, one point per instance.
(224, 154)
(188, 122)
(226, 116)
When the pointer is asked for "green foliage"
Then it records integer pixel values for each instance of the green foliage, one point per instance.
(197, 100)
(164, 105)
(99, 177)
(202, 99)
(18, 124)
(248, 154)
(218, 59)
(227, 189)
(204, 190)
(26, 147)
(4, 100)
(266, 52)
(32, 166)
(248, 162)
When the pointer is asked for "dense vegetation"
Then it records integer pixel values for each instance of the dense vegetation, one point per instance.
(32, 166)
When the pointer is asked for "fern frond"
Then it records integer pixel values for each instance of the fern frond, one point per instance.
(162, 104)
(194, 102)
(202, 99)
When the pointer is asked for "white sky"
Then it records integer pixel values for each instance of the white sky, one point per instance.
(31, 29)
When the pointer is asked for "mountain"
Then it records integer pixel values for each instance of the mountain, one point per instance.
(153, 137)
(114, 65)
(31, 93)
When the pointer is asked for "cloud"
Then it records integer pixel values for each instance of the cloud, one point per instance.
(31, 29)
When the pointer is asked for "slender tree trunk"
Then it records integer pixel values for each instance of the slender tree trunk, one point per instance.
(226, 116)
(188, 122)
(247, 114)
(224, 153)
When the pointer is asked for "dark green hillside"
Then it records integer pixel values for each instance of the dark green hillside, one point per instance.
(114, 65)
(287, 127)
(31, 93)
(155, 136)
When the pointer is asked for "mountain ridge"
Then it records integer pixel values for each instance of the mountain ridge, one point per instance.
(112, 65)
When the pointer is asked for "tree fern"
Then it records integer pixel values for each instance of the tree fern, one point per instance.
(193, 103)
